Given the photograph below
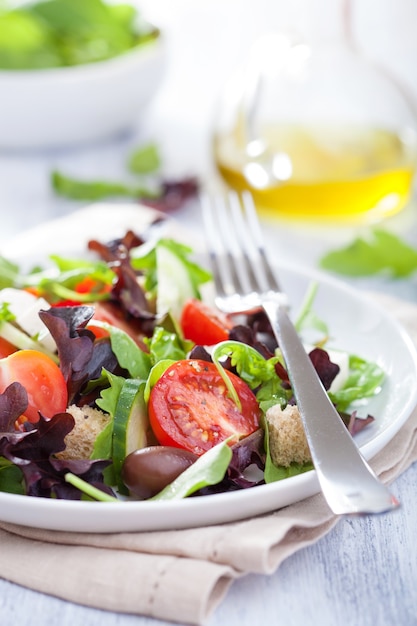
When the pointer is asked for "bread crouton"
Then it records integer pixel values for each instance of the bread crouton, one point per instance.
(89, 423)
(287, 439)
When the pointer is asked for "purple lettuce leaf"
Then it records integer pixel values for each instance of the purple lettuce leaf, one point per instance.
(174, 194)
(355, 424)
(82, 357)
(126, 292)
(46, 478)
(13, 404)
(324, 367)
(44, 475)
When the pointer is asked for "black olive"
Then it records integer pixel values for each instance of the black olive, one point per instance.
(147, 471)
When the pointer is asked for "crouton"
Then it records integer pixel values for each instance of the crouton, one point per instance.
(287, 439)
(89, 423)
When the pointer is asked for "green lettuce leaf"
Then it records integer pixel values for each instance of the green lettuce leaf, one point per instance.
(380, 252)
(364, 381)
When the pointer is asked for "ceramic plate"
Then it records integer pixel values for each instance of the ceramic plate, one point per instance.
(357, 325)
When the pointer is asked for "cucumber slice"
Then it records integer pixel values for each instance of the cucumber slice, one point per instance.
(130, 425)
(174, 283)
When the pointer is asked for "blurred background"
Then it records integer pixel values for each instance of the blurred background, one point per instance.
(205, 41)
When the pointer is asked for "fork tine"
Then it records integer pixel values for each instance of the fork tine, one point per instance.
(226, 278)
(255, 230)
(243, 239)
(211, 238)
(227, 236)
(235, 245)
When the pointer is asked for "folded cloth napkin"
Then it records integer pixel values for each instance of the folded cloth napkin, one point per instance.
(183, 575)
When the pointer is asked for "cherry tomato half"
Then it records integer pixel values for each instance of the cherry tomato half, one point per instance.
(203, 324)
(42, 379)
(6, 348)
(189, 407)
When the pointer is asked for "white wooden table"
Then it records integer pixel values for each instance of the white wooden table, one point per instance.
(364, 572)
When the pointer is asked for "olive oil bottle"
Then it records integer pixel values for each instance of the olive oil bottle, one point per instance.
(323, 171)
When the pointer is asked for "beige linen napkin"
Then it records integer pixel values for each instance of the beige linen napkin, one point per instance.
(182, 575)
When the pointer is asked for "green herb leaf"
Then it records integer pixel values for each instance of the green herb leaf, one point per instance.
(381, 252)
(129, 355)
(145, 160)
(11, 477)
(55, 33)
(9, 274)
(96, 190)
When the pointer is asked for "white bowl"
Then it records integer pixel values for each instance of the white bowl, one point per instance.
(66, 106)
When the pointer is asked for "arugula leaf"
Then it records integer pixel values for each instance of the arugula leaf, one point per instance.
(380, 252)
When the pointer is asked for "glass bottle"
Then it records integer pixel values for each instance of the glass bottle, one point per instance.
(317, 131)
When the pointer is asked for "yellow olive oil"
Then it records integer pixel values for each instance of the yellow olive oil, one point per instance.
(320, 172)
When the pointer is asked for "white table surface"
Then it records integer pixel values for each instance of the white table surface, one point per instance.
(364, 572)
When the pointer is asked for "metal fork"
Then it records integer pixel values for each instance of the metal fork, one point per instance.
(244, 281)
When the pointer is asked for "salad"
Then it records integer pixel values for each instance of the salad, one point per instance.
(66, 33)
(120, 380)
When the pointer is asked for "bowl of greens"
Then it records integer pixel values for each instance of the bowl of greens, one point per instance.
(74, 71)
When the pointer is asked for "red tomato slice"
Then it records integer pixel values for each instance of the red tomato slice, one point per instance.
(189, 407)
(203, 324)
(42, 379)
(98, 331)
(6, 348)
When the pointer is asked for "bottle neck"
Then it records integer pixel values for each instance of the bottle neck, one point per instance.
(325, 21)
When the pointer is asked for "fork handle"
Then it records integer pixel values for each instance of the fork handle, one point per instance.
(348, 483)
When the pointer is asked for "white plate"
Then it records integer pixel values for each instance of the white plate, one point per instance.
(357, 325)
